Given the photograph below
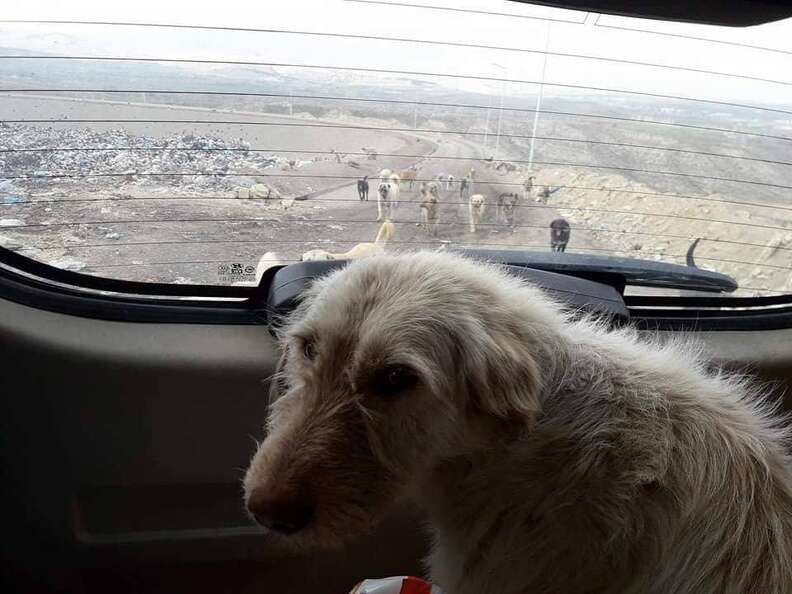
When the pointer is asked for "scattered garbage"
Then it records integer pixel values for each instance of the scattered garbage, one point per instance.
(256, 191)
(121, 156)
(67, 263)
(11, 223)
(112, 235)
(8, 193)
(262, 191)
(505, 167)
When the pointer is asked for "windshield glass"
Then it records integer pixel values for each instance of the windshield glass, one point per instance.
(188, 142)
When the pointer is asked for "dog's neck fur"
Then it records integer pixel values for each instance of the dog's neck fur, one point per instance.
(543, 451)
(510, 485)
(596, 493)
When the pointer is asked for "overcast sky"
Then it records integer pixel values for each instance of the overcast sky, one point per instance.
(339, 16)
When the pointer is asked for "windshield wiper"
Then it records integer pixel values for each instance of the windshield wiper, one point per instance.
(617, 272)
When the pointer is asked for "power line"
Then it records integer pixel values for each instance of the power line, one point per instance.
(397, 72)
(405, 102)
(3, 175)
(285, 260)
(682, 36)
(358, 127)
(477, 46)
(259, 221)
(305, 243)
(363, 154)
(555, 206)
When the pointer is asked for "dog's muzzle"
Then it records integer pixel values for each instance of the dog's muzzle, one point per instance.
(282, 512)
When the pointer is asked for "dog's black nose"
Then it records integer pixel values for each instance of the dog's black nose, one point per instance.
(281, 512)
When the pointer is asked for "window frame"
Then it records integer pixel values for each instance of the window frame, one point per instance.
(36, 284)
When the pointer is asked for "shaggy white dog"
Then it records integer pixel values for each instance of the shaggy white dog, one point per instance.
(388, 197)
(552, 455)
(477, 205)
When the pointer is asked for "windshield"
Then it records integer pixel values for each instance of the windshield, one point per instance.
(202, 143)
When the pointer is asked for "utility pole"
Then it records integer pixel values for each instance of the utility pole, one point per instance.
(539, 101)
(486, 126)
(500, 107)
(500, 117)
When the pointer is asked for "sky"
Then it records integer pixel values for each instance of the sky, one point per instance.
(578, 36)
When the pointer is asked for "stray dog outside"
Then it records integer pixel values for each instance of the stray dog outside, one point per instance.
(550, 453)
(363, 188)
(560, 232)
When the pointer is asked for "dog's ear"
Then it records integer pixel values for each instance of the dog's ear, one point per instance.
(503, 377)
(278, 384)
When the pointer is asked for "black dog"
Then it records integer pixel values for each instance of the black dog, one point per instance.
(464, 189)
(363, 188)
(559, 235)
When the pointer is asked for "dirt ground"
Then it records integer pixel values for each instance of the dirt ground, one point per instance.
(148, 232)
(177, 230)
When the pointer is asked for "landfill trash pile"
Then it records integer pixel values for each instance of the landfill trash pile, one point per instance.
(37, 154)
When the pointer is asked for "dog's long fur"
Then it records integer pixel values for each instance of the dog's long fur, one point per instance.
(430, 208)
(477, 205)
(409, 176)
(508, 203)
(388, 196)
(551, 455)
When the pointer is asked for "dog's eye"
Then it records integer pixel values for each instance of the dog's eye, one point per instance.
(309, 349)
(393, 380)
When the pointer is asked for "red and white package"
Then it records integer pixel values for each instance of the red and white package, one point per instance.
(396, 585)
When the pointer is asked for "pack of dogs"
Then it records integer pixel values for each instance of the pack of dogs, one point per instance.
(477, 207)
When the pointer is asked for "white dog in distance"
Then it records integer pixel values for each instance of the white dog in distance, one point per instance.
(476, 207)
(388, 197)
